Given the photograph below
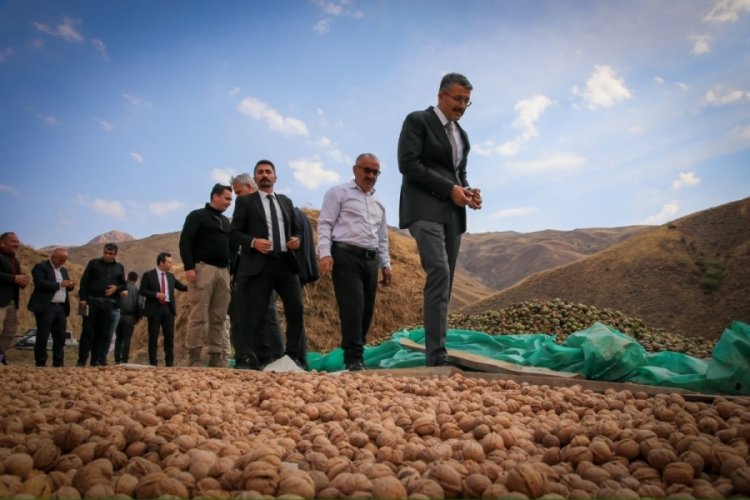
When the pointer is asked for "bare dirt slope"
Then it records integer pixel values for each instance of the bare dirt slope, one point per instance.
(501, 259)
(691, 276)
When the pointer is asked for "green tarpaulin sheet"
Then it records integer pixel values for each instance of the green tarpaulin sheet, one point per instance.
(599, 352)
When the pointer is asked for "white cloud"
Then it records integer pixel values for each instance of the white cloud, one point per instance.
(716, 99)
(636, 130)
(104, 124)
(234, 91)
(136, 102)
(259, 110)
(338, 8)
(659, 80)
(528, 112)
(745, 132)
(508, 213)
(604, 89)
(667, 213)
(106, 207)
(137, 157)
(65, 30)
(556, 163)
(329, 149)
(682, 86)
(100, 47)
(4, 188)
(48, 119)
(163, 208)
(322, 27)
(222, 175)
(701, 44)
(685, 179)
(727, 11)
(311, 174)
(5, 54)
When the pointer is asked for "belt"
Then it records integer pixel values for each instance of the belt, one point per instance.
(367, 253)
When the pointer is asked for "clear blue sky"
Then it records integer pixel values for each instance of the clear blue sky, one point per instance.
(122, 114)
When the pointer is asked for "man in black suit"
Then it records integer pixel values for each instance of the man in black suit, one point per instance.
(158, 285)
(264, 226)
(11, 282)
(50, 303)
(432, 152)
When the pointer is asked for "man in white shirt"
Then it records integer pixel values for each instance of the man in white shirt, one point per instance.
(353, 235)
(50, 303)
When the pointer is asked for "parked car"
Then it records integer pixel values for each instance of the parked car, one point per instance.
(28, 340)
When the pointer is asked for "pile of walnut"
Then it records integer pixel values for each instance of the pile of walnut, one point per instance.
(119, 433)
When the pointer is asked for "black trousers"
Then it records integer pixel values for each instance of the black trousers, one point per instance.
(95, 332)
(54, 321)
(123, 334)
(164, 319)
(243, 342)
(355, 284)
(277, 274)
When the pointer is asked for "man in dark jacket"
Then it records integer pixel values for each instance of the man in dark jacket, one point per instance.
(157, 286)
(50, 303)
(101, 284)
(11, 282)
(204, 249)
(130, 312)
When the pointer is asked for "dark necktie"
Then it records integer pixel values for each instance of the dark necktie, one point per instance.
(275, 226)
(163, 289)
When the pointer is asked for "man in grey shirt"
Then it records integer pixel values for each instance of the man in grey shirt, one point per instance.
(353, 235)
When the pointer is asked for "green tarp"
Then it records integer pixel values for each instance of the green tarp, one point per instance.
(599, 352)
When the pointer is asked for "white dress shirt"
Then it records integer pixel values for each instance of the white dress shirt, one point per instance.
(279, 217)
(351, 216)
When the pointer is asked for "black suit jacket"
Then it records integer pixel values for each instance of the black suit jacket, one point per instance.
(249, 221)
(45, 286)
(426, 164)
(8, 288)
(150, 286)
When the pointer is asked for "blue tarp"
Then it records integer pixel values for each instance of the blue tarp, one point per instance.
(599, 352)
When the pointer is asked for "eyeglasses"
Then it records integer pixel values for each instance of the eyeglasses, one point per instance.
(460, 100)
(370, 171)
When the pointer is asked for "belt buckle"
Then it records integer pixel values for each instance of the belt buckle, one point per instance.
(371, 254)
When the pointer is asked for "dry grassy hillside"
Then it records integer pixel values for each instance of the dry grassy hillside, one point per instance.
(501, 259)
(691, 276)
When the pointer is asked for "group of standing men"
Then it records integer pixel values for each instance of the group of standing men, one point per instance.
(261, 246)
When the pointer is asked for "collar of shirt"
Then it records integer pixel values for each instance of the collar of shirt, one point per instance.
(353, 185)
(441, 116)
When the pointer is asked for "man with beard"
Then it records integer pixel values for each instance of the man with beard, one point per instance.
(264, 226)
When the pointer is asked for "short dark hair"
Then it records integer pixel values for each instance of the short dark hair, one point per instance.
(162, 257)
(5, 235)
(454, 78)
(264, 162)
(112, 247)
(132, 276)
(219, 188)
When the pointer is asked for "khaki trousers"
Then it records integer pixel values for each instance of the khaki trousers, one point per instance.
(209, 301)
(8, 325)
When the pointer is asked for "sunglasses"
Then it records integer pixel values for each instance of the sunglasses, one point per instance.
(370, 171)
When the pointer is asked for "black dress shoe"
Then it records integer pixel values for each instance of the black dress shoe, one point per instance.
(249, 362)
(441, 362)
(356, 366)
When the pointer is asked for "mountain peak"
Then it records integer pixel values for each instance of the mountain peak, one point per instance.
(111, 237)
